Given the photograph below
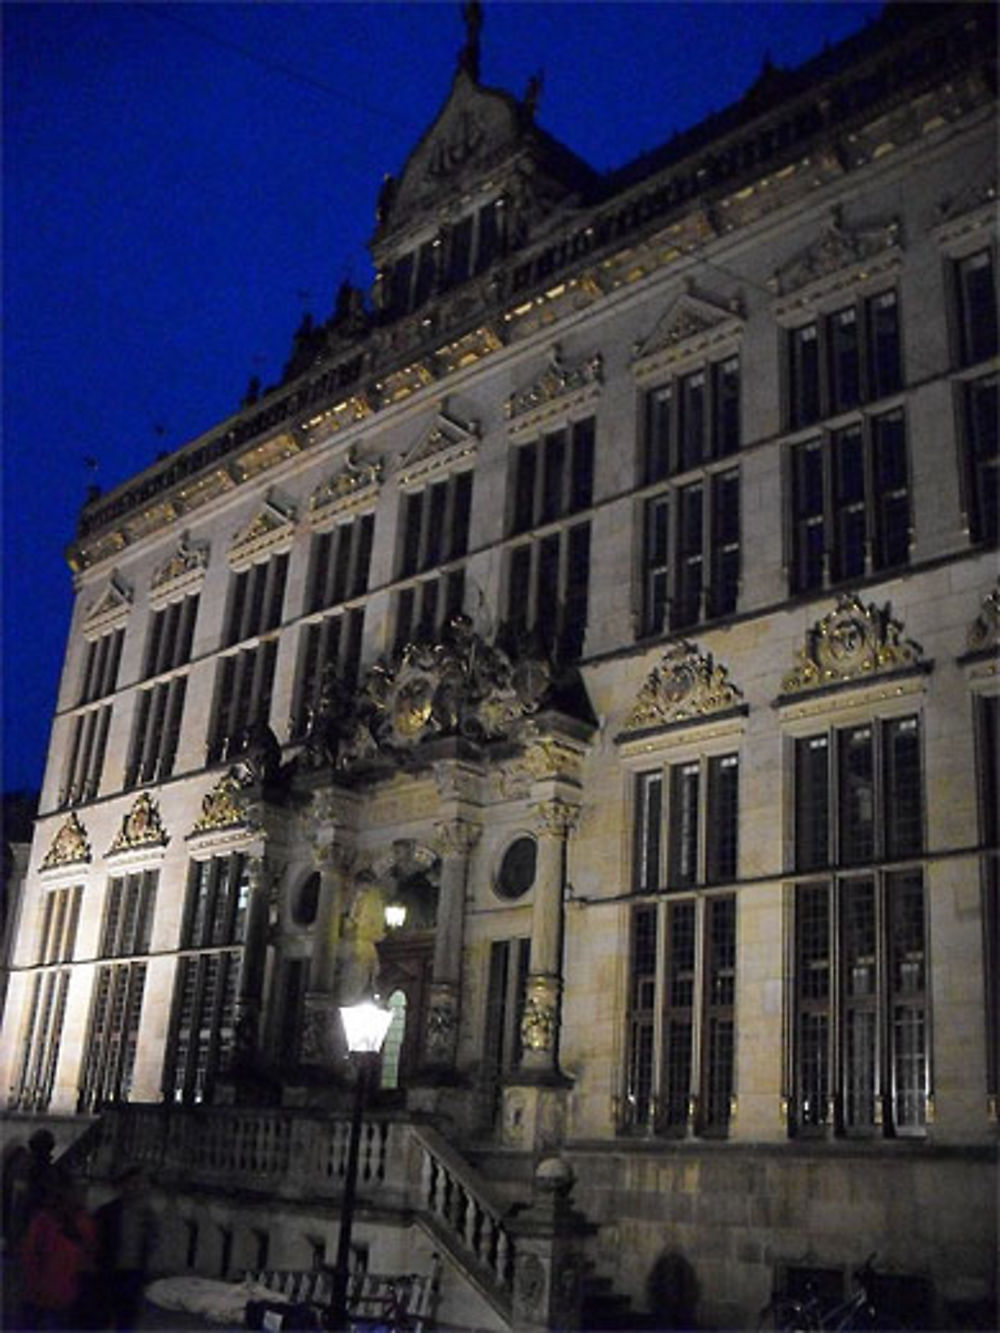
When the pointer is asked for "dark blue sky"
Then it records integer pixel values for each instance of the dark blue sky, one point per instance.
(182, 181)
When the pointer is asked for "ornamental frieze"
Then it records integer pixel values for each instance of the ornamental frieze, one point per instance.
(69, 847)
(684, 686)
(838, 252)
(984, 633)
(223, 808)
(851, 643)
(141, 827)
(557, 387)
(355, 483)
(181, 572)
(555, 819)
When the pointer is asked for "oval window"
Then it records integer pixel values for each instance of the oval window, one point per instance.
(517, 869)
(307, 900)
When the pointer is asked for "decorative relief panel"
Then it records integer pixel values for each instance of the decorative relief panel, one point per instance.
(843, 256)
(141, 827)
(685, 686)
(270, 530)
(354, 485)
(692, 325)
(69, 847)
(224, 808)
(852, 643)
(182, 573)
(110, 610)
(448, 442)
(557, 389)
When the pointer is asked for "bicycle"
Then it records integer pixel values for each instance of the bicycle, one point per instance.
(793, 1314)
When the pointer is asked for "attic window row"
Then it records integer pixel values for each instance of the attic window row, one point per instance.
(457, 252)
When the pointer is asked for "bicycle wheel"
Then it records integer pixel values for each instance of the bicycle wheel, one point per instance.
(784, 1314)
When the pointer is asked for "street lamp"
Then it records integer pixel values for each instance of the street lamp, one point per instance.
(365, 1026)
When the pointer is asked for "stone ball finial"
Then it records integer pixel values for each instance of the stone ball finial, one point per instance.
(554, 1175)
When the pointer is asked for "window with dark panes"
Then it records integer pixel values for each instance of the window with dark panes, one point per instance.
(697, 831)
(427, 271)
(691, 420)
(979, 416)
(85, 756)
(850, 503)
(339, 563)
(861, 1049)
(243, 685)
(156, 732)
(112, 1040)
(329, 660)
(691, 553)
(976, 299)
(987, 721)
(680, 1071)
(102, 658)
(44, 1018)
(868, 821)
(256, 596)
(128, 914)
(206, 992)
(838, 361)
(547, 590)
(553, 477)
(170, 636)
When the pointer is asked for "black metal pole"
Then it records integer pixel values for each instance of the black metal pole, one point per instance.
(337, 1317)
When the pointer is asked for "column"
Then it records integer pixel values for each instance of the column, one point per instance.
(247, 1037)
(454, 840)
(542, 1001)
(334, 814)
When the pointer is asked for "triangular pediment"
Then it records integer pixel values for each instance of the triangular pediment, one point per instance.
(851, 644)
(141, 827)
(448, 441)
(841, 254)
(693, 325)
(684, 686)
(271, 530)
(110, 610)
(224, 809)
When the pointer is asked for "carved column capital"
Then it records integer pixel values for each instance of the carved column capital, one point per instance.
(455, 837)
(555, 818)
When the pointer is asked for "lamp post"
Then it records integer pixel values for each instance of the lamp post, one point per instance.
(365, 1026)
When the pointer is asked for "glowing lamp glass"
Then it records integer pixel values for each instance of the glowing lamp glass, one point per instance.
(365, 1026)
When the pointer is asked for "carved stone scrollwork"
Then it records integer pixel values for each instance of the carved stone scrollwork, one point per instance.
(141, 827)
(531, 1281)
(541, 1013)
(984, 632)
(69, 847)
(224, 807)
(455, 837)
(686, 684)
(852, 642)
(555, 819)
(839, 247)
(557, 381)
(442, 1023)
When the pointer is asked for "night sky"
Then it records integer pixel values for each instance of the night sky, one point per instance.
(181, 182)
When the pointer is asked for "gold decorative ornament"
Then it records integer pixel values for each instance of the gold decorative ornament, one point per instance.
(69, 847)
(684, 685)
(141, 827)
(853, 642)
(984, 632)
